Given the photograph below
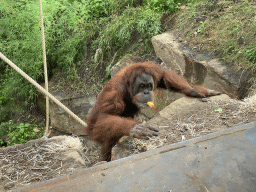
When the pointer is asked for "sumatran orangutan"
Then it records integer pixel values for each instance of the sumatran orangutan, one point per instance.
(122, 98)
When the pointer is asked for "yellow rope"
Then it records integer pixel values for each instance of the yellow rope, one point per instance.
(47, 131)
(40, 88)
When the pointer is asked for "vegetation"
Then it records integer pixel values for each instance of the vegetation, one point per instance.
(11, 134)
(226, 28)
(106, 29)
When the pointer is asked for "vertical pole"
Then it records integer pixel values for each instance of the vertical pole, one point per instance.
(47, 131)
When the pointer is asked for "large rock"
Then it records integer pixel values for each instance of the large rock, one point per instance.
(168, 50)
(180, 106)
(61, 120)
(199, 68)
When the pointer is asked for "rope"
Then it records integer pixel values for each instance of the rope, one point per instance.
(47, 132)
(40, 88)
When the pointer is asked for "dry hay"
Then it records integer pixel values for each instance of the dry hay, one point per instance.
(37, 161)
(210, 116)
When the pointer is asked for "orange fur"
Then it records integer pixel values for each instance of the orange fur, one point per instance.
(112, 115)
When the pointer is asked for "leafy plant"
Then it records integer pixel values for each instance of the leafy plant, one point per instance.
(108, 74)
(21, 42)
(3, 100)
(18, 134)
(139, 24)
(163, 5)
(251, 54)
(4, 127)
(4, 110)
(97, 8)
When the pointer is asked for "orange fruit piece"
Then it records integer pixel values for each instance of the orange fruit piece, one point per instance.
(151, 104)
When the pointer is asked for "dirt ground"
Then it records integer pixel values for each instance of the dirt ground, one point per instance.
(43, 159)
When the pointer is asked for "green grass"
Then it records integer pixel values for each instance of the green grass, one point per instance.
(227, 28)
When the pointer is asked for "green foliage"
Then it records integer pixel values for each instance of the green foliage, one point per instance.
(230, 34)
(108, 74)
(65, 34)
(3, 102)
(11, 134)
(70, 27)
(20, 41)
(140, 25)
(109, 24)
(97, 8)
(163, 5)
(251, 55)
